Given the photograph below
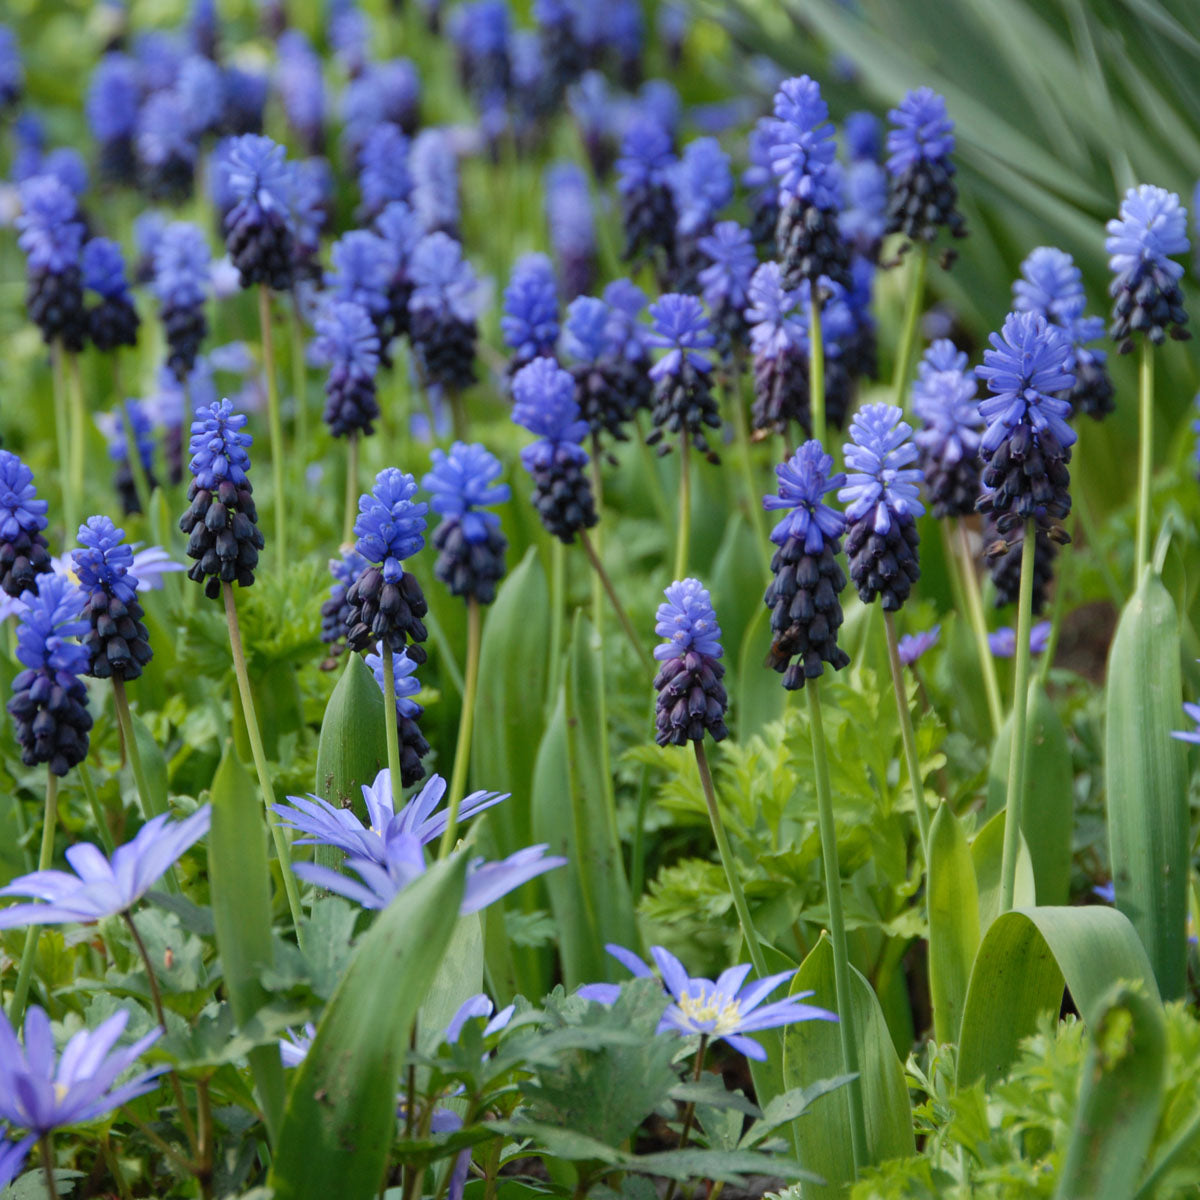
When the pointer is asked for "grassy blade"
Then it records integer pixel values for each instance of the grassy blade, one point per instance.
(953, 922)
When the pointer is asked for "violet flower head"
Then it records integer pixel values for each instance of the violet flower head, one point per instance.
(803, 150)
(586, 329)
(101, 887)
(383, 174)
(201, 92)
(688, 623)
(390, 525)
(114, 94)
(347, 342)
(41, 1092)
(219, 448)
(626, 335)
(923, 196)
(921, 131)
(912, 645)
(702, 185)
(691, 698)
(166, 148)
(258, 226)
(363, 265)
(644, 172)
(103, 267)
(434, 169)
(1050, 284)
(951, 431)
(864, 136)
(881, 486)
(804, 482)
(530, 320)
(1003, 643)
(775, 324)
(444, 281)
(681, 328)
(863, 221)
(24, 553)
(49, 230)
(725, 282)
(572, 226)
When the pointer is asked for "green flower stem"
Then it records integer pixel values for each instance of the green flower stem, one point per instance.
(907, 736)
(689, 1113)
(25, 971)
(63, 437)
(975, 613)
(458, 413)
(726, 852)
(558, 599)
(622, 616)
(352, 492)
(1016, 760)
(79, 423)
(907, 350)
(683, 528)
(185, 1113)
(741, 438)
(1145, 456)
(47, 1148)
(141, 484)
(391, 718)
(837, 927)
(816, 366)
(299, 384)
(89, 790)
(466, 721)
(282, 850)
(597, 582)
(274, 421)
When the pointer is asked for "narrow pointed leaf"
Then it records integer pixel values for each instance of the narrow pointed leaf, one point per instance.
(953, 922)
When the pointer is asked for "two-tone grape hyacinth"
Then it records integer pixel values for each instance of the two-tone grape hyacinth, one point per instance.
(684, 403)
(626, 351)
(349, 345)
(691, 697)
(572, 227)
(12, 72)
(24, 552)
(49, 700)
(114, 320)
(777, 339)
(364, 266)
(882, 501)
(441, 312)
(701, 185)
(1051, 284)
(599, 378)
(544, 403)
(221, 520)
(725, 282)
(644, 185)
(385, 601)
(51, 235)
(117, 642)
(335, 611)
(1027, 444)
(113, 97)
(433, 165)
(759, 180)
(560, 43)
(413, 746)
(258, 227)
(943, 397)
(530, 319)
(802, 156)
(803, 596)
(1141, 243)
(129, 429)
(166, 148)
(383, 175)
(181, 280)
(922, 194)
(397, 224)
(468, 539)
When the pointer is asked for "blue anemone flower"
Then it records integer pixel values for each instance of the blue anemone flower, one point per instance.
(912, 645)
(804, 482)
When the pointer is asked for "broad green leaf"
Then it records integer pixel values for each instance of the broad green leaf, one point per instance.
(1022, 964)
(760, 697)
(953, 922)
(154, 766)
(1048, 809)
(1122, 1090)
(240, 889)
(459, 977)
(340, 1119)
(987, 851)
(812, 1050)
(1146, 781)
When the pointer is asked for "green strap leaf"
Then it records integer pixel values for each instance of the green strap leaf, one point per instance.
(1026, 957)
(340, 1120)
(987, 853)
(953, 922)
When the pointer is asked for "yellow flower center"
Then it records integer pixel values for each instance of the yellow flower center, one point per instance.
(60, 1092)
(704, 1007)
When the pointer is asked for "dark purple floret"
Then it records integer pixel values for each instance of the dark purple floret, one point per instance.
(691, 697)
(684, 403)
(258, 228)
(442, 312)
(803, 596)
(643, 182)
(335, 612)
(777, 343)
(51, 235)
(348, 344)
(245, 99)
(572, 227)
(1005, 567)
(24, 554)
(181, 282)
(923, 196)
(114, 320)
(166, 149)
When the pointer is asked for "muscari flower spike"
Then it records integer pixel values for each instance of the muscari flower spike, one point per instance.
(386, 602)
(434, 169)
(114, 321)
(1027, 444)
(49, 700)
(335, 611)
(1147, 298)
(301, 87)
(258, 227)
(221, 520)
(113, 97)
(468, 538)
(413, 746)
(12, 73)
(349, 344)
(683, 398)
(544, 403)
(51, 235)
(691, 698)
(913, 645)
(882, 500)
(572, 227)
(181, 282)
(244, 98)
(600, 377)
(166, 148)
(943, 397)
(397, 224)
(803, 596)
(923, 196)
(118, 643)
(701, 184)
(24, 552)
(777, 342)
(530, 319)
(644, 185)
(383, 174)
(441, 312)
(725, 281)
(364, 267)
(101, 887)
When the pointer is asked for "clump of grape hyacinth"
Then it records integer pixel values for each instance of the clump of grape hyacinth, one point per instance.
(922, 194)
(258, 227)
(725, 282)
(803, 596)
(347, 342)
(683, 399)
(691, 697)
(49, 700)
(530, 320)
(51, 235)
(1027, 444)
(221, 521)
(544, 403)
(943, 397)
(468, 538)
(777, 344)
(802, 156)
(113, 321)
(24, 553)
(385, 601)
(643, 183)
(413, 746)
(599, 382)
(442, 312)
(117, 641)
(181, 281)
(882, 503)
(572, 227)
(335, 611)
(1147, 298)
(1051, 284)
